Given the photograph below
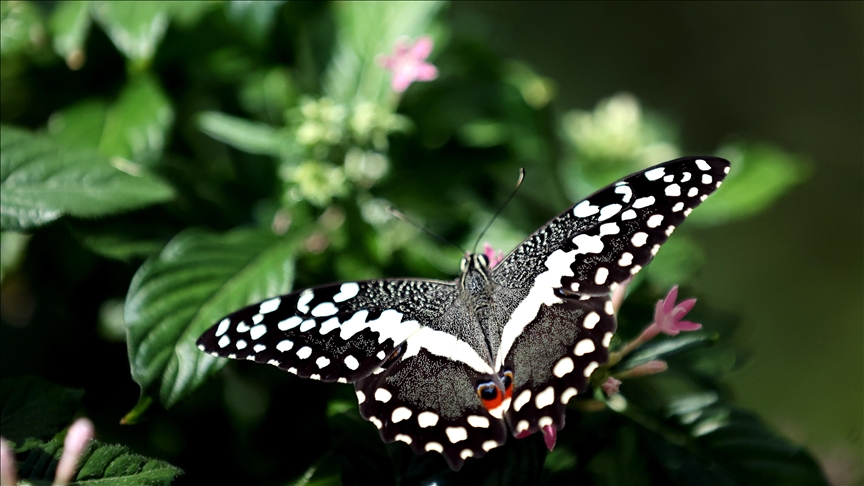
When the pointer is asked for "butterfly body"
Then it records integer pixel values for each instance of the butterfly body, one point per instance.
(452, 367)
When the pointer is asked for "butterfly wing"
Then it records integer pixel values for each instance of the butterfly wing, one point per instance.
(559, 332)
(405, 344)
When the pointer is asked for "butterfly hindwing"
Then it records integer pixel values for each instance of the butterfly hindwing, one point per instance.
(553, 359)
(430, 403)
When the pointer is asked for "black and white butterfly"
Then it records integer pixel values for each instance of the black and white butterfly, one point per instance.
(452, 366)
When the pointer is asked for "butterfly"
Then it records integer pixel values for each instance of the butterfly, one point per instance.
(454, 366)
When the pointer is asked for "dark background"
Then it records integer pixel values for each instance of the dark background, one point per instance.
(786, 73)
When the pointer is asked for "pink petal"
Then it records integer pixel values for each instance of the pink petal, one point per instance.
(426, 72)
(686, 305)
(523, 434)
(401, 81)
(8, 473)
(669, 301)
(77, 439)
(610, 387)
(422, 48)
(687, 326)
(550, 435)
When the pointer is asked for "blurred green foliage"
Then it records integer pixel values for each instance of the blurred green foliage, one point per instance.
(196, 157)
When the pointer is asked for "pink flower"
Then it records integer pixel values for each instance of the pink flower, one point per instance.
(77, 439)
(667, 317)
(494, 258)
(408, 63)
(611, 386)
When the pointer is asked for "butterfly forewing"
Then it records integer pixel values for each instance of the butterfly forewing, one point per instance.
(338, 332)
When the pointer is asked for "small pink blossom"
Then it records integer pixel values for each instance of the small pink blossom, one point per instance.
(8, 472)
(611, 386)
(408, 63)
(667, 317)
(494, 258)
(650, 368)
(77, 439)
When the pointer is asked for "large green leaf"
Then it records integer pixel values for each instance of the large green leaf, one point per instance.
(101, 464)
(174, 297)
(70, 24)
(135, 28)
(137, 125)
(35, 409)
(42, 181)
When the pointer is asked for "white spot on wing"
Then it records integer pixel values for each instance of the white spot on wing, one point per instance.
(351, 362)
(590, 368)
(478, 421)
(585, 209)
(584, 347)
(673, 190)
(383, 395)
(269, 306)
(241, 344)
(639, 239)
(654, 174)
(588, 244)
(521, 400)
(361, 397)
(377, 422)
(591, 320)
(609, 211)
(224, 341)
(284, 345)
(545, 398)
(259, 347)
(427, 419)
(242, 327)
(456, 434)
(702, 165)
(707, 179)
(257, 318)
(403, 438)
(626, 259)
(324, 309)
(290, 323)
(489, 445)
(257, 331)
(629, 214)
(303, 302)
(686, 177)
(607, 338)
(434, 446)
(329, 325)
(626, 191)
(635, 269)
(223, 327)
(677, 207)
(544, 421)
(562, 367)
(567, 394)
(322, 362)
(692, 192)
(601, 275)
(304, 352)
(522, 426)
(348, 290)
(466, 453)
(608, 308)
(643, 202)
(400, 414)
(654, 221)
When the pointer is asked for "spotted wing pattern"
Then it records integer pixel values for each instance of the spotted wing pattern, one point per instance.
(560, 332)
(422, 353)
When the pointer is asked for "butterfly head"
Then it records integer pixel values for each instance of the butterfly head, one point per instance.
(475, 273)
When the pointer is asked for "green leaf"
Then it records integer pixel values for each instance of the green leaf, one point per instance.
(101, 464)
(42, 181)
(32, 408)
(135, 28)
(254, 19)
(680, 258)
(121, 239)
(69, 25)
(22, 27)
(353, 74)
(137, 125)
(666, 348)
(760, 174)
(197, 278)
(12, 249)
(80, 125)
(245, 135)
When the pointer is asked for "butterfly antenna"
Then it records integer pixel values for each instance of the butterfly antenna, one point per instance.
(518, 183)
(438, 237)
